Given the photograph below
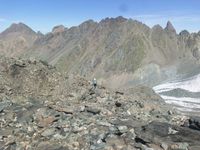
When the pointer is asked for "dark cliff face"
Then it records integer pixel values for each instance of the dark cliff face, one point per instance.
(109, 47)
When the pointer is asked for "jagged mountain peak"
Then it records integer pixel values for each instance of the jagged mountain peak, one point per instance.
(88, 23)
(157, 27)
(107, 48)
(118, 19)
(184, 33)
(18, 27)
(169, 27)
(58, 29)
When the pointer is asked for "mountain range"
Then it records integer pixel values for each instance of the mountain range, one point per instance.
(119, 52)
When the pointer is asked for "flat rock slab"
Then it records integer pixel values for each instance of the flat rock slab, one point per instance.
(157, 132)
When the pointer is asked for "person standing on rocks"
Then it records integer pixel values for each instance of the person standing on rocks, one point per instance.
(94, 83)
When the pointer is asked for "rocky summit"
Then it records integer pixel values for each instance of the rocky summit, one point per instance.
(41, 108)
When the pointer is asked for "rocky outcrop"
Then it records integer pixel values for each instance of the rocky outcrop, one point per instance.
(184, 33)
(58, 29)
(193, 123)
(43, 109)
(168, 137)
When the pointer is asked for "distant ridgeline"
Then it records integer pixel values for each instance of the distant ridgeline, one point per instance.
(117, 51)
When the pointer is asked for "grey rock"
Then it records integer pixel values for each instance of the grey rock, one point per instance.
(102, 123)
(171, 131)
(122, 129)
(6, 131)
(194, 123)
(58, 136)
(113, 130)
(157, 132)
(93, 110)
(44, 115)
(179, 146)
(4, 104)
(194, 147)
(164, 146)
(50, 146)
(48, 132)
(100, 146)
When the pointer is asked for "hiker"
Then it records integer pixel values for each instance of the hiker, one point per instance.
(94, 83)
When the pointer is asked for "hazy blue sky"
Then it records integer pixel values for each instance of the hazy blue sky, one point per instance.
(44, 14)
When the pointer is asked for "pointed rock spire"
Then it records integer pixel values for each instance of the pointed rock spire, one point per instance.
(170, 28)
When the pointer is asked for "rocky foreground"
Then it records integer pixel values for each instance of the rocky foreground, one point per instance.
(42, 109)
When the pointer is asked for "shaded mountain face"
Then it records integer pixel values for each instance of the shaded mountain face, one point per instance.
(117, 51)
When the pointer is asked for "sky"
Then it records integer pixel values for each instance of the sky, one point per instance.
(43, 15)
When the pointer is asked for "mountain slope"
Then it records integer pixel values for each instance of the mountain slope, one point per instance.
(15, 40)
(118, 49)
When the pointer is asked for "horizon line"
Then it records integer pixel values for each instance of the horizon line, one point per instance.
(133, 18)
